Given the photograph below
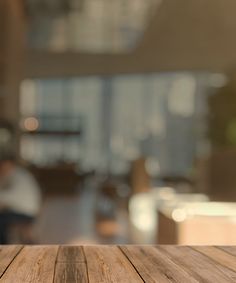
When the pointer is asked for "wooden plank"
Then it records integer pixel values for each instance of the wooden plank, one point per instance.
(155, 267)
(103, 264)
(71, 273)
(70, 254)
(219, 256)
(7, 255)
(109, 265)
(228, 249)
(33, 264)
(200, 266)
(71, 266)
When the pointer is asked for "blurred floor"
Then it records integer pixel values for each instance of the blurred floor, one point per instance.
(71, 220)
(67, 219)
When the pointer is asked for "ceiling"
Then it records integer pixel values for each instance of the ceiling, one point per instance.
(94, 26)
(183, 35)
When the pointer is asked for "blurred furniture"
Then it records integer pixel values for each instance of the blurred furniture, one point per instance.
(139, 178)
(201, 175)
(61, 179)
(116, 264)
(21, 233)
(182, 184)
(111, 211)
(143, 211)
(55, 138)
(208, 223)
(106, 211)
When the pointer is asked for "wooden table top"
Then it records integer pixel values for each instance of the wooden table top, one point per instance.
(111, 264)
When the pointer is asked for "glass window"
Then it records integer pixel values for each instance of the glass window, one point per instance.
(104, 123)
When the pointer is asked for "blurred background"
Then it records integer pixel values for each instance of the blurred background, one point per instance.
(118, 121)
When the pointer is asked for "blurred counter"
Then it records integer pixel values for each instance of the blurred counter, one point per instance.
(197, 223)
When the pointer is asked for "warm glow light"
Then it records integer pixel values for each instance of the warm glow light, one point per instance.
(179, 215)
(31, 124)
(142, 210)
(218, 80)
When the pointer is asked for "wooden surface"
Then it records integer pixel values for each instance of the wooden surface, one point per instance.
(111, 264)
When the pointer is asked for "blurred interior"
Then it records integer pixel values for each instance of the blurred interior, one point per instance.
(124, 111)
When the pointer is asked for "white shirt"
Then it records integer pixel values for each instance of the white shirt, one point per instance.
(20, 193)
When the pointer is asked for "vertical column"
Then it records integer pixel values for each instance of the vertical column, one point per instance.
(13, 67)
(12, 31)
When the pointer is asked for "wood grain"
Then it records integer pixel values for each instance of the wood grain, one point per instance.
(7, 255)
(198, 265)
(228, 249)
(109, 265)
(71, 266)
(219, 256)
(113, 264)
(155, 267)
(70, 254)
(71, 273)
(33, 264)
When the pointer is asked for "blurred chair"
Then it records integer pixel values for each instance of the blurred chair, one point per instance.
(111, 210)
(139, 177)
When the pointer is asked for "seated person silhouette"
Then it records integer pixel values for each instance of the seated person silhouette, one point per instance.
(19, 195)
